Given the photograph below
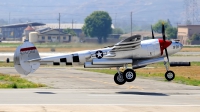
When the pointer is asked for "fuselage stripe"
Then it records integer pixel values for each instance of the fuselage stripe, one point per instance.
(28, 49)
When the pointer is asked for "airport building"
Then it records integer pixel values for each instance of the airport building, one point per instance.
(15, 31)
(34, 32)
(185, 33)
(40, 32)
(52, 35)
(77, 28)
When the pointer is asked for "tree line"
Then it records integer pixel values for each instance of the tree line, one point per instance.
(98, 24)
(171, 32)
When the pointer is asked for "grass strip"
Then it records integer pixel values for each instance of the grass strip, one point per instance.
(4, 64)
(15, 81)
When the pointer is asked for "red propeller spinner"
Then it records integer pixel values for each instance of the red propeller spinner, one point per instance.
(164, 44)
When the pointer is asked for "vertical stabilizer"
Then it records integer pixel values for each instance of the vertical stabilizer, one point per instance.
(26, 51)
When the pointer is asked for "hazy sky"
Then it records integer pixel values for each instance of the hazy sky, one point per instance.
(47, 11)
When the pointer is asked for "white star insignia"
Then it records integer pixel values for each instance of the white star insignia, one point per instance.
(99, 54)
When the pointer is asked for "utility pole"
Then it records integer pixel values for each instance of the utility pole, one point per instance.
(131, 23)
(193, 11)
(59, 26)
(71, 30)
(177, 23)
(9, 18)
(72, 23)
(115, 19)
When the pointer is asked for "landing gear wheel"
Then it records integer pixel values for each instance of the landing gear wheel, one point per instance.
(169, 75)
(119, 79)
(129, 75)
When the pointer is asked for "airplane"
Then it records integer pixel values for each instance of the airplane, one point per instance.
(139, 53)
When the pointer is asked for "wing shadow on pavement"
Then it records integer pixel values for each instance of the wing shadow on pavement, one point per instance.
(45, 92)
(143, 93)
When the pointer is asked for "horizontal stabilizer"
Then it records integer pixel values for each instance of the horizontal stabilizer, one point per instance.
(37, 59)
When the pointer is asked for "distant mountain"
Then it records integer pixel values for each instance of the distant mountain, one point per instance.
(144, 11)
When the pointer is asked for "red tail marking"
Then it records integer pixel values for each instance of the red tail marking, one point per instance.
(164, 44)
(27, 49)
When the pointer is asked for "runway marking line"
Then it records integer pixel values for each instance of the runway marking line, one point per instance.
(136, 105)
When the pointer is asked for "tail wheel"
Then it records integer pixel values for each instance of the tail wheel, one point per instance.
(129, 75)
(169, 75)
(119, 79)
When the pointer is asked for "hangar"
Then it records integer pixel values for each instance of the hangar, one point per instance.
(15, 31)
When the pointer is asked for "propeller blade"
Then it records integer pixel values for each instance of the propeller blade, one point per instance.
(167, 54)
(152, 33)
(163, 31)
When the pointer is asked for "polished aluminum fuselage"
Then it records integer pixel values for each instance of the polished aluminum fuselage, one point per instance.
(129, 51)
(148, 49)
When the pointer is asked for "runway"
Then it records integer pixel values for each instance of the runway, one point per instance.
(67, 86)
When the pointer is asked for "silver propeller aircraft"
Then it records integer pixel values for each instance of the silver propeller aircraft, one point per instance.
(129, 51)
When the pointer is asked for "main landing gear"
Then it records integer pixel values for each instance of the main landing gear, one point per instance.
(128, 75)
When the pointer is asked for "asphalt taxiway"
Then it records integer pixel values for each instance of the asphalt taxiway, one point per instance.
(77, 90)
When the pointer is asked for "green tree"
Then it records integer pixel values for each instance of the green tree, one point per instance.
(171, 32)
(70, 31)
(98, 24)
(157, 27)
(117, 31)
(195, 37)
(169, 23)
(189, 41)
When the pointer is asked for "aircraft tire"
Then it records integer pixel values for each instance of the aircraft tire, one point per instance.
(129, 75)
(169, 75)
(119, 80)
